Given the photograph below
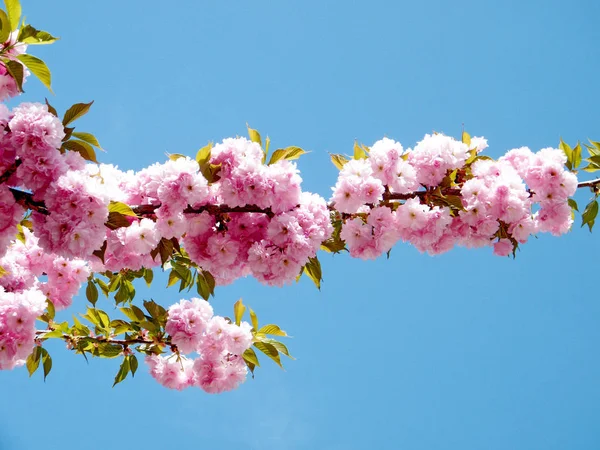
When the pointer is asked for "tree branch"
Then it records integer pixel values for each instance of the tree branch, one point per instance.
(25, 199)
(590, 183)
(12, 169)
(39, 334)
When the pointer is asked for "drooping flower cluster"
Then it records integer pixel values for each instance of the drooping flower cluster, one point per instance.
(25, 262)
(220, 344)
(447, 201)
(18, 312)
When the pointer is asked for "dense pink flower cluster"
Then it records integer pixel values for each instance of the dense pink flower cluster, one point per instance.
(502, 202)
(271, 247)
(220, 344)
(26, 263)
(75, 202)
(18, 312)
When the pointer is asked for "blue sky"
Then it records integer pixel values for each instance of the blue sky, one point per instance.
(460, 351)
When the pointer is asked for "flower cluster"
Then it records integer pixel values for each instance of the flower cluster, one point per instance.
(272, 245)
(220, 344)
(18, 312)
(25, 262)
(466, 200)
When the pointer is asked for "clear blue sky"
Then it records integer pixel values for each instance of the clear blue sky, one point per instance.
(461, 351)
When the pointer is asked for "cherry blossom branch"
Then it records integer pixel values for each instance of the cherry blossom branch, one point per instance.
(25, 199)
(145, 210)
(102, 339)
(12, 169)
(590, 183)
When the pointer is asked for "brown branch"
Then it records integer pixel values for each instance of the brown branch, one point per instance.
(25, 199)
(12, 169)
(147, 210)
(590, 183)
(101, 339)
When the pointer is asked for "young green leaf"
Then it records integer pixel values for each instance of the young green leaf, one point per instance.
(4, 27)
(339, 161)
(31, 36)
(254, 135)
(288, 153)
(38, 68)
(121, 208)
(87, 137)
(91, 292)
(76, 111)
(238, 310)
(273, 330)
(15, 69)
(466, 138)
(123, 371)
(313, 270)
(13, 8)
(83, 148)
(589, 214)
(254, 319)
(270, 351)
(46, 362)
(33, 360)
(250, 356)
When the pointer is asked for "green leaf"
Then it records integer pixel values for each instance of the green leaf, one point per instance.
(205, 284)
(156, 311)
(203, 155)
(270, 351)
(31, 36)
(288, 153)
(51, 310)
(280, 346)
(135, 314)
(38, 68)
(577, 156)
(121, 208)
(83, 148)
(15, 69)
(46, 362)
(87, 137)
(123, 371)
(250, 356)
(313, 270)
(33, 360)
(359, 151)
(91, 292)
(254, 319)
(339, 160)
(76, 111)
(466, 138)
(273, 330)
(589, 214)
(254, 135)
(4, 27)
(568, 151)
(133, 364)
(175, 156)
(107, 350)
(573, 204)
(148, 276)
(13, 8)
(238, 310)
